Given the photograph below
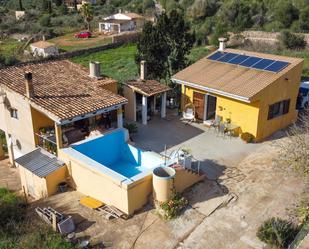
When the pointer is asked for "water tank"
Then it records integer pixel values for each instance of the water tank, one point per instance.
(163, 183)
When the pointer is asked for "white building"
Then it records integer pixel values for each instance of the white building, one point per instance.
(44, 49)
(122, 22)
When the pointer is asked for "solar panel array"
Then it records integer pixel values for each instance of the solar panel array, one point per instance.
(249, 61)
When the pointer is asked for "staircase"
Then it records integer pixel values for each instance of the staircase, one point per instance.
(185, 178)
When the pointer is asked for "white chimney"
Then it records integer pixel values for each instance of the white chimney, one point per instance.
(119, 11)
(143, 70)
(222, 43)
(29, 85)
(95, 69)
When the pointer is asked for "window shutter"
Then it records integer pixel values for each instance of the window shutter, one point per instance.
(286, 106)
(270, 112)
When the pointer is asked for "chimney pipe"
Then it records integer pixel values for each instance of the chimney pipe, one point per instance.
(29, 85)
(143, 70)
(222, 44)
(119, 11)
(95, 69)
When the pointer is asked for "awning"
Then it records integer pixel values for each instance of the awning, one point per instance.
(40, 162)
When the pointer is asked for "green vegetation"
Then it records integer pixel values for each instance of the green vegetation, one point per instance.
(172, 208)
(3, 140)
(165, 45)
(117, 63)
(87, 12)
(17, 230)
(9, 51)
(292, 41)
(277, 233)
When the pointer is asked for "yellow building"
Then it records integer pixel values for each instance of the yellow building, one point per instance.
(254, 92)
(51, 105)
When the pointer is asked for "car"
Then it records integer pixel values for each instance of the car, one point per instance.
(83, 34)
(304, 95)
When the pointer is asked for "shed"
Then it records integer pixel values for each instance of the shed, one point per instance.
(40, 173)
(141, 94)
(44, 49)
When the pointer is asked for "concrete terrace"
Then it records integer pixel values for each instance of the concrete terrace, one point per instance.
(213, 150)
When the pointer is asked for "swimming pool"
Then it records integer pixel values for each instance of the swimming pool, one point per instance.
(112, 151)
(109, 169)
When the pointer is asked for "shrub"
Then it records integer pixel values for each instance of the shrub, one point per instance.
(45, 20)
(277, 233)
(247, 137)
(292, 41)
(132, 128)
(302, 211)
(10, 208)
(171, 209)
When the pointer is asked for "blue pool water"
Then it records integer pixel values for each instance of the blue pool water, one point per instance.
(112, 151)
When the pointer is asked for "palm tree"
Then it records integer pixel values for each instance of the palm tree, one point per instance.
(87, 13)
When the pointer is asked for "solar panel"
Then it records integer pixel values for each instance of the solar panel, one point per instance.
(239, 59)
(227, 57)
(277, 66)
(216, 56)
(251, 61)
(263, 64)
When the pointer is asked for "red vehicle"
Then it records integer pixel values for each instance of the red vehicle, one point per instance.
(83, 34)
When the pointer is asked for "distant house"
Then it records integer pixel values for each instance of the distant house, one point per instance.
(122, 22)
(44, 49)
(70, 3)
(253, 92)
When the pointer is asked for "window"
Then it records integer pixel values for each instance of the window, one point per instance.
(14, 113)
(278, 109)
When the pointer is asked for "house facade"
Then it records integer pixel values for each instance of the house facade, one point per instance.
(55, 103)
(122, 22)
(255, 92)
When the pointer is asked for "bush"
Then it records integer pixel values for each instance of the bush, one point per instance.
(45, 20)
(292, 41)
(247, 137)
(132, 128)
(172, 208)
(277, 233)
(10, 208)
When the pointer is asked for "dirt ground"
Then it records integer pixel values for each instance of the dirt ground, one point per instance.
(223, 212)
(9, 176)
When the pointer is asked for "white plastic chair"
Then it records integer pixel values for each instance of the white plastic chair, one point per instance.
(189, 113)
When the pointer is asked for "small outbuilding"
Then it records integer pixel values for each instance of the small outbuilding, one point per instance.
(142, 95)
(40, 173)
(122, 22)
(44, 49)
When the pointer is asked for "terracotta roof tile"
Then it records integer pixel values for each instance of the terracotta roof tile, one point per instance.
(233, 79)
(62, 88)
(147, 87)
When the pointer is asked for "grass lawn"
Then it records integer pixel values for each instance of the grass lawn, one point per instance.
(69, 43)
(9, 47)
(119, 63)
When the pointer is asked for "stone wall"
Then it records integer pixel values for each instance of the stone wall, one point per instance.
(267, 37)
